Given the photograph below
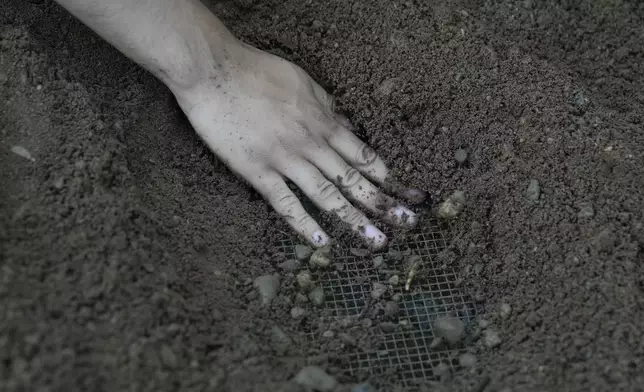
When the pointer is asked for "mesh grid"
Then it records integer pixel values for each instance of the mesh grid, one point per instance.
(403, 355)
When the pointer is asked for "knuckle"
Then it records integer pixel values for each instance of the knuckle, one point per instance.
(325, 189)
(287, 203)
(365, 155)
(302, 220)
(351, 178)
(351, 215)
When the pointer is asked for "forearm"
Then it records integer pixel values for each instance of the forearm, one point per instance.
(179, 41)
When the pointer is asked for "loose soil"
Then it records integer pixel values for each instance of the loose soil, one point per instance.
(128, 251)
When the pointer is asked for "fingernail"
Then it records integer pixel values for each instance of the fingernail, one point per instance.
(404, 216)
(415, 195)
(376, 238)
(319, 238)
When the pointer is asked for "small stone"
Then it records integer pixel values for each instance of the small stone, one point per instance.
(483, 323)
(394, 255)
(388, 86)
(316, 379)
(22, 152)
(394, 280)
(59, 183)
(301, 298)
(586, 211)
(378, 290)
(328, 334)
(467, 360)
(280, 341)
(397, 297)
(347, 339)
(391, 310)
(168, 357)
(479, 298)
(321, 257)
(388, 327)
(267, 286)
(533, 191)
(289, 265)
(367, 323)
(580, 101)
(358, 252)
(436, 343)
(304, 281)
(442, 372)
(449, 328)
(317, 296)
(461, 156)
(505, 311)
(303, 252)
(450, 208)
(477, 268)
(491, 338)
(605, 241)
(378, 261)
(298, 313)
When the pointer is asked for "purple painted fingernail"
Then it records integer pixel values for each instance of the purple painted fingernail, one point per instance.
(374, 236)
(416, 195)
(319, 238)
(404, 216)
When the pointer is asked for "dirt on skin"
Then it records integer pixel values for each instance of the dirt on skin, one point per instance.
(128, 251)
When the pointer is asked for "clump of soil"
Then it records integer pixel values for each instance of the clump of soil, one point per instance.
(129, 252)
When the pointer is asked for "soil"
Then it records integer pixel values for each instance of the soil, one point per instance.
(128, 251)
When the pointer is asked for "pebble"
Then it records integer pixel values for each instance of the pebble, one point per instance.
(289, 265)
(22, 152)
(301, 298)
(491, 338)
(586, 210)
(605, 241)
(298, 313)
(450, 208)
(378, 261)
(347, 339)
(390, 85)
(442, 372)
(280, 341)
(359, 252)
(317, 296)
(397, 297)
(388, 327)
(394, 280)
(267, 286)
(168, 357)
(483, 323)
(321, 257)
(378, 290)
(436, 343)
(303, 252)
(533, 191)
(315, 378)
(391, 309)
(367, 323)
(304, 280)
(451, 329)
(394, 255)
(467, 360)
(328, 334)
(461, 156)
(505, 311)
(580, 101)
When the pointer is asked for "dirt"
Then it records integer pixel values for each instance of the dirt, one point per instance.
(129, 251)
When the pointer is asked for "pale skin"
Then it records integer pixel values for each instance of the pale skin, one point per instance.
(265, 117)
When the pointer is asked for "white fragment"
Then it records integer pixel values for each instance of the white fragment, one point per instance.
(21, 151)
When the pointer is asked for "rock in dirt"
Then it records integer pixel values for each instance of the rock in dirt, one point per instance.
(378, 290)
(394, 280)
(359, 252)
(605, 241)
(442, 371)
(378, 261)
(451, 329)
(304, 281)
(467, 360)
(280, 341)
(168, 357)
(301, 298)
(450, 208)
(303, 252)
(491, 338)
(321, 258)
(328, 334)
(267, 286)
(533, 191)
(394, 255)
(388, 327)
(316, 379)
(461, 156)
(22, 152)
(505, 311)
(580, 102)
(397, 297)
(391, 310)
(298, 313)
(347, 339)
(388, 86)
(289, 265)
(436, 343)
(317, 296)
(483, 323)
(586, 211)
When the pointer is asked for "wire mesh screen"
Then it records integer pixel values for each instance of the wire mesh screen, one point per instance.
(404, 352)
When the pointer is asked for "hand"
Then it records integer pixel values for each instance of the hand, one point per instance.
(268, 120)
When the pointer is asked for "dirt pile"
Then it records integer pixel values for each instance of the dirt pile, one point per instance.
(129, 253)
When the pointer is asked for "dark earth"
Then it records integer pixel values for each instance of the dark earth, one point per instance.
(128, 251)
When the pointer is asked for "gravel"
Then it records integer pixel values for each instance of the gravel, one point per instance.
(378, 261)
(451, 329)
(467, 360)
(289, 265)
(505, 311)
(533, 191)
(304, 281)
(394, 255)
(461, 156)
(442, 371)
(388, 327)
(280, 341)
(359, 252)
(315, 378)
(22, 152)
(347, 339)
(303, 252)
(391, 310)
(450, 208)
(317, 296)
(321, 258)
(586, 211)
(394, 280)
(491, 338)
(267, 286)
(378, 290)
(298, 313)
(328, 334)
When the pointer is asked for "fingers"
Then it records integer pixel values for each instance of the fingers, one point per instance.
(359, 189)
(328, 197)
(284, 201)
